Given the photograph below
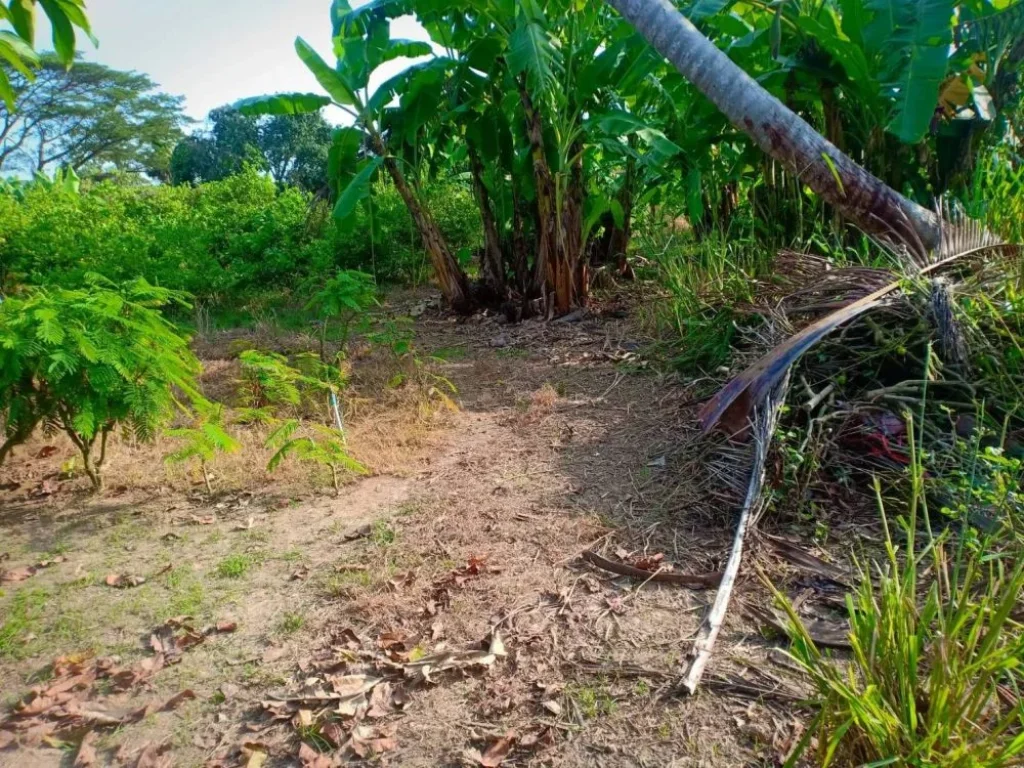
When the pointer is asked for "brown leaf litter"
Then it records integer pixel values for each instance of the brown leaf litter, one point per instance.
(355, 686)
(77, 699)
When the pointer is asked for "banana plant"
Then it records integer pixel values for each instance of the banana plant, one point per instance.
(17, 45)
(532, 97)
(362, 43)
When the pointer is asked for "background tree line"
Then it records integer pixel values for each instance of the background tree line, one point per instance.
(97, 120)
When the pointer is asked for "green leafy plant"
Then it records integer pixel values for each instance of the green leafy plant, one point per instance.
(87, 362)
(931, 659)
(313, 443)
(203, 441)
(341, 301)
(362, 44)
(268, 381)
(16, 48)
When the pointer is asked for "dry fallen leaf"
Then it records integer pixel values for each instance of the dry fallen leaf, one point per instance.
(86, 757)
(498, 751)
(255, 754)
(367, 741)
(334, 734)
(650, 563)
(351, 685)
(553, 707)
(381, 704)
(17, 574)
(310, 758)
(124, 580)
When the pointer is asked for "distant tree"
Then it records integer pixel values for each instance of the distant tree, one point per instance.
(296, 148)
(231, 141)
(90, 118)
(194, 159)
(293, 148)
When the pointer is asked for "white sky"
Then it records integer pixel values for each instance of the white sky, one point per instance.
(215, 52)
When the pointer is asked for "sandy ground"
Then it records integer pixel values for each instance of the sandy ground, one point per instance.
(470, 528)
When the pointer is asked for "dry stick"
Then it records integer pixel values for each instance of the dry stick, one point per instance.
(693, 581)
(763, 428)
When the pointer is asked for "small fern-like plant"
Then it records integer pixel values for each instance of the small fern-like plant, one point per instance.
(269, 382)
(203, 442)
(89, 361)
(341, 301)
(313, 443)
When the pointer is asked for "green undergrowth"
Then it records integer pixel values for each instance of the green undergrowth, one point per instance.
(937, 641)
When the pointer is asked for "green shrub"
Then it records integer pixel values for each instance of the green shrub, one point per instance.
(203, 441)
(313, 443)
(89, 361)
(228, 243)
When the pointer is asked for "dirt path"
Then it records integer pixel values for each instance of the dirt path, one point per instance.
(563, 441)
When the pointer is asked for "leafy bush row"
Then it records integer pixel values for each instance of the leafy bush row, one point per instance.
(222, 241)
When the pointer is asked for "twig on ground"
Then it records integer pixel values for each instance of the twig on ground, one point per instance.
(693, 581)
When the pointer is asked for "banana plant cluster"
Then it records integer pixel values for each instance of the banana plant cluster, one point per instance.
(567, 123)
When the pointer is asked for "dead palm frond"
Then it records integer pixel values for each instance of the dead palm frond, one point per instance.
(965, 245)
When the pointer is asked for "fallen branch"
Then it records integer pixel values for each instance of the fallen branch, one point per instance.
(825, 634)
(693, 581)
(764, 420)
(805, 561)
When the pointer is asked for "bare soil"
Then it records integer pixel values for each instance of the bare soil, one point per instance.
(472, 523)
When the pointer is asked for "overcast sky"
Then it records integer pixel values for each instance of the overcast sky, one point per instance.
(214, 52)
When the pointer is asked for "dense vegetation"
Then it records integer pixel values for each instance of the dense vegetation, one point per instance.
(530, 149)
(227, 243)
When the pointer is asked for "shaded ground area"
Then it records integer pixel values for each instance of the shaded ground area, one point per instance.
(436, 613)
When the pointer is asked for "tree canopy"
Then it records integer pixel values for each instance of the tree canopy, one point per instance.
(91, 118)
(292, 148)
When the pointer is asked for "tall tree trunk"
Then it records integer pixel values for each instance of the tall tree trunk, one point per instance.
(491, 264)
(547, 215)
(454, 285)
(859, 196)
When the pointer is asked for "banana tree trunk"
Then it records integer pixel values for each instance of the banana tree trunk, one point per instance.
(453, 282)
(547, 215)
(856, 194)
(492, 262)
(520, 247)
(571, 279)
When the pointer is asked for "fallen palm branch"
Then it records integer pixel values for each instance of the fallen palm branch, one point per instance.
(693, 581)
(763, 427)
(962, 246)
